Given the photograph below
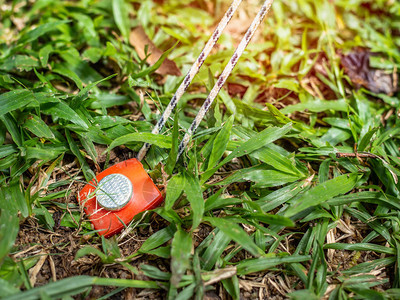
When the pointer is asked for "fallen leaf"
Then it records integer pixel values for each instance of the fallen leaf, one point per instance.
(36, 269)
(356, 65)
(139, 40)
(236, 90)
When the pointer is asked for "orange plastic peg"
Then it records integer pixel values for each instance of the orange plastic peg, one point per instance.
(117, 195)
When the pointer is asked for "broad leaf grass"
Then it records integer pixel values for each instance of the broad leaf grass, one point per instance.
(289, 187)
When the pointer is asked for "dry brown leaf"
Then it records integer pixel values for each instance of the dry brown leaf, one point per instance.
(53, 269)
(222, 274)
(36, 269)
(139, 40)
(236, 90)
(330, 238)
(357, 66)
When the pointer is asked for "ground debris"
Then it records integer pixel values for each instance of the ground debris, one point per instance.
(357, 66)
(147, 50)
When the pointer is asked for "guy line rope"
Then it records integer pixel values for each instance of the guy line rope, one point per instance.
(221, 80)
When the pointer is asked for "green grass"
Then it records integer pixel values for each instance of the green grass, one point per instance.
(269, 191)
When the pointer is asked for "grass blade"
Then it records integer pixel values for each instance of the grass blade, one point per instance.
(361, 247)
(195, 197)
(74, 285)
(233, 231)
(323, 192)
(158, 140)
(220, 142)
(39, 31)
(121, 17)
(180, 254)
(175, 188)
(14, 100)
(9, 227)
(256, 142)
(256, 265)
(157, 239)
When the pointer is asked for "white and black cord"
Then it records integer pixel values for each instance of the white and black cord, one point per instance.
(221, 80)
(192, 72)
